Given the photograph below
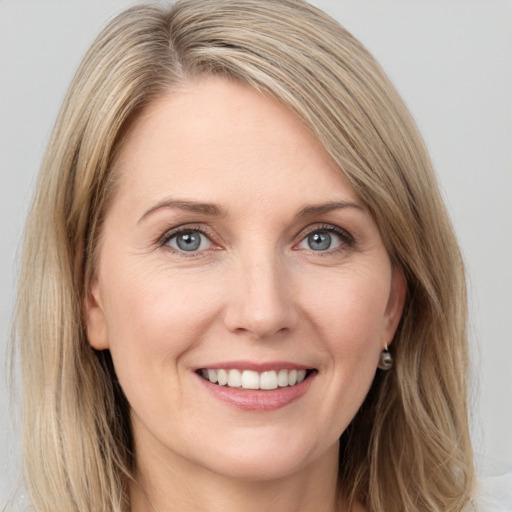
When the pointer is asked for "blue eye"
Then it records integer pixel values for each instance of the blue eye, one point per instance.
(319, 241)
(325, 239)
(189, 241)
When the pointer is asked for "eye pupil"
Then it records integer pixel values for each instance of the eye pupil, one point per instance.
(319, 241)
(188, 241)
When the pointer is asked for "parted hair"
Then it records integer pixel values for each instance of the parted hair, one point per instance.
(408, 448)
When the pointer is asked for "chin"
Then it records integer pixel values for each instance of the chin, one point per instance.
(259, 469)
(267, 460)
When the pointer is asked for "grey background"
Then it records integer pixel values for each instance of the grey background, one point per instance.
(452, 62)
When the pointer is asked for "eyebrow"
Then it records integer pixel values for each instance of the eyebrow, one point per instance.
(191, 206)
(216, 211)
(312, 210)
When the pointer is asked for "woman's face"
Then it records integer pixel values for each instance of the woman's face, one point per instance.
(234, 249)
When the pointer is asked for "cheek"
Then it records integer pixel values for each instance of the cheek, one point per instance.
(154, 317)
(351, 322)
(349, 311)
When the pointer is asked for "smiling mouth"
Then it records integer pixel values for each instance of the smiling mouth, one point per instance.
(250, 379)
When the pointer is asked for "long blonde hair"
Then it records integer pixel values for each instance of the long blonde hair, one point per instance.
(408, 448)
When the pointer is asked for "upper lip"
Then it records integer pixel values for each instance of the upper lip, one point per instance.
(257, 366)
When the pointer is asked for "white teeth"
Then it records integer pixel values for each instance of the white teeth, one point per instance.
(282, 378)
(249, 379)
(234, 379)
(268, 380)
(222, 377)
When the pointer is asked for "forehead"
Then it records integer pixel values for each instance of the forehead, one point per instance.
(214, 136)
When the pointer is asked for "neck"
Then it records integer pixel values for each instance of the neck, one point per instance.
(166, 482)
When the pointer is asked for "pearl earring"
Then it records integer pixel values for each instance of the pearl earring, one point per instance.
(386, 360)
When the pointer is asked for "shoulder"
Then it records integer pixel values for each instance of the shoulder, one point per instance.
(492, 494)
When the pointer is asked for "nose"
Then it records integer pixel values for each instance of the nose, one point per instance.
(261, 301)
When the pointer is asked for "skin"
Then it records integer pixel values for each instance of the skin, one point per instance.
(254, 291)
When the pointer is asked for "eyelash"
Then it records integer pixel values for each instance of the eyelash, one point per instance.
(347, 240)
(164, 240)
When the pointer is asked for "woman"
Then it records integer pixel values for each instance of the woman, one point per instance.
(240, 224)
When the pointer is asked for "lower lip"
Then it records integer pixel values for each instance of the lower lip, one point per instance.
(259, 400)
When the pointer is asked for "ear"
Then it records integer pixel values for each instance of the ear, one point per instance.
(95, 322)
(394, 307)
